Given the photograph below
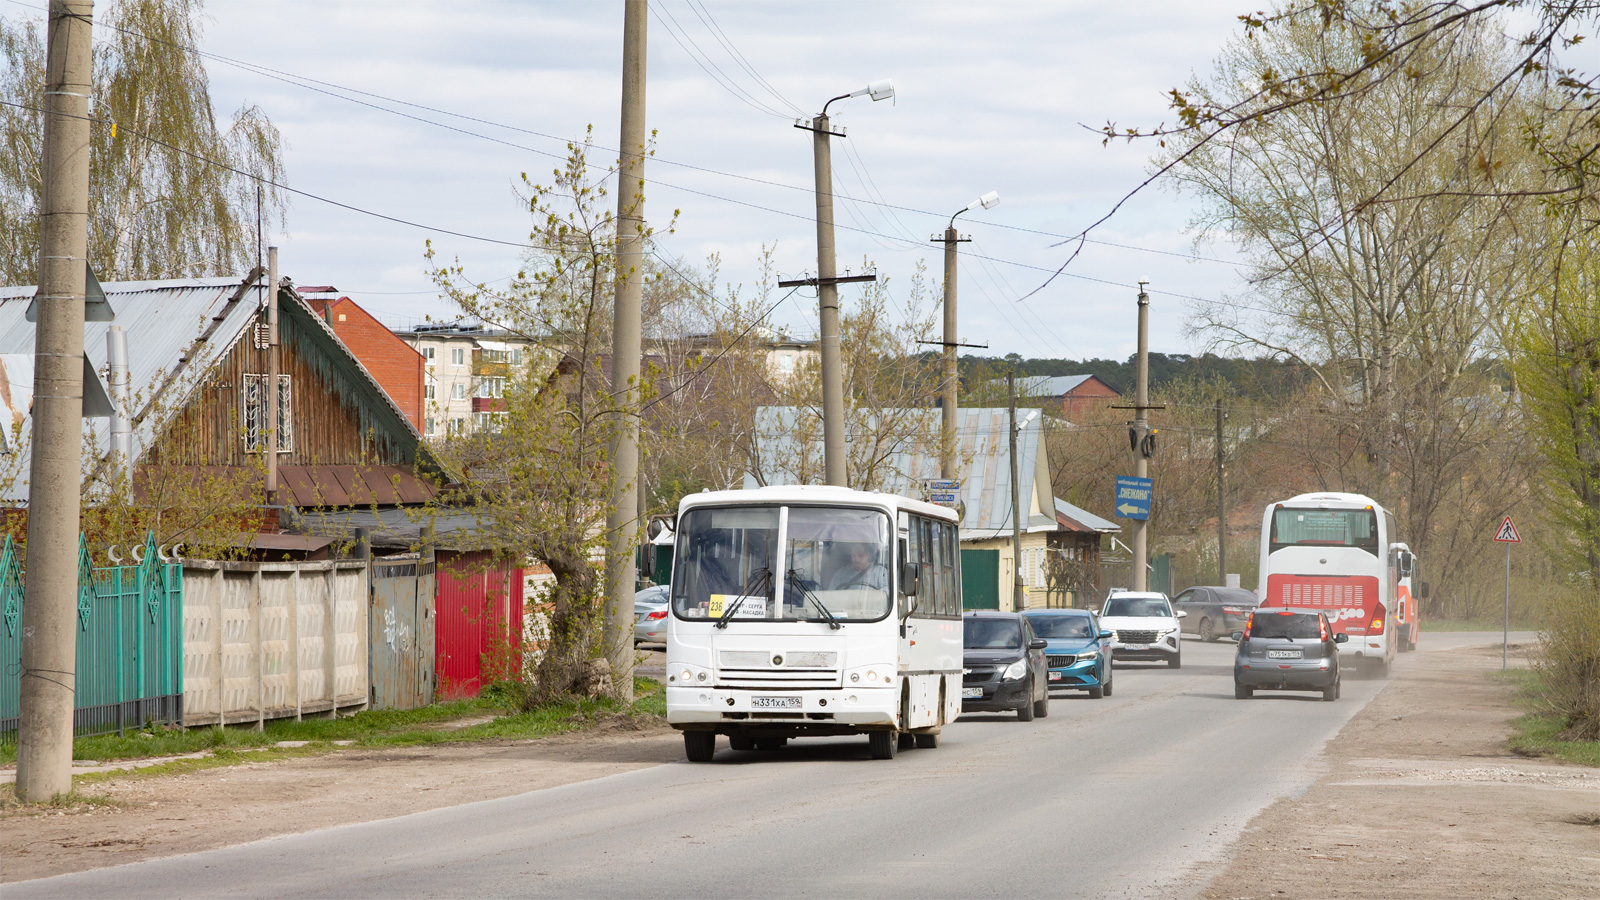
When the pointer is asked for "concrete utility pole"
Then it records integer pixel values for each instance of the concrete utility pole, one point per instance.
(1018, 601)
(833, 458)
(50, 606)
(626, 351)
(1141, 462)
(948, 387)
(1222, 504)
(269, 436)
(947, 390)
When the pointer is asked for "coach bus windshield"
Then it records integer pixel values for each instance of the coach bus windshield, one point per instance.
(1356, 528)
(834, 567)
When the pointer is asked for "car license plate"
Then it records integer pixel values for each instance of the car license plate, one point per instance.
(1055, 676)
(775, 703)
(971, 693)
(1285, 654)
(1135, 646)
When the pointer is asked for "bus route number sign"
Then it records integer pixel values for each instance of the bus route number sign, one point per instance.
(1133, 497)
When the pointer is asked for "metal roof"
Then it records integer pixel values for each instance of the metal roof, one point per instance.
(177, 330)
(789, 441)
(1047, 386)
(1085, 518)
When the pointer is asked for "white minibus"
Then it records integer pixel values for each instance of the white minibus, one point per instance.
(800, 611)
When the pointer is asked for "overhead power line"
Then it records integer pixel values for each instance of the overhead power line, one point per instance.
(330, 89)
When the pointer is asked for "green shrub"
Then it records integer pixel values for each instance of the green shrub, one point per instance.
(1568, 664)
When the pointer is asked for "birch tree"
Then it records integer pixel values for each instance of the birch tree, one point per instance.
(173, 190)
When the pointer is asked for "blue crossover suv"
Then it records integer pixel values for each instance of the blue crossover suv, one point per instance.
(1077, 649)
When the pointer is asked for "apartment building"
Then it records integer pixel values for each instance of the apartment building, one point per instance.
(466, 368)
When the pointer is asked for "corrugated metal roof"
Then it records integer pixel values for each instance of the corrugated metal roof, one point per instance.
(1045, 386)
(175, 329)
(162, 319)
(1085, 518)
(789, 441)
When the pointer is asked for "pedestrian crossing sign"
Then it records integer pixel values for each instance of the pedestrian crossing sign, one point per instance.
(1508, 533)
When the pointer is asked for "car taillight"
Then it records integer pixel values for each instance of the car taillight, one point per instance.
(1378, 615)
(1234, 610)
(658, 614)
(1248, 624)
(1322, 628)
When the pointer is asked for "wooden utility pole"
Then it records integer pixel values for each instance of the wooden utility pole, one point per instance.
(626, 351)
(49, 612)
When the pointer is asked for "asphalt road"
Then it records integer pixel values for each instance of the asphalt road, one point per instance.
(1134, 795)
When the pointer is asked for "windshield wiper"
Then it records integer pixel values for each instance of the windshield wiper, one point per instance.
(757, 578)
(805, 592)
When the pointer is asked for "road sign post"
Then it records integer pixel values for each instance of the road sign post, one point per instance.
(1507, 534)
(1133, 498)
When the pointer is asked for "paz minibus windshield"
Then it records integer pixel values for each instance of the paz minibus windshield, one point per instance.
(834, 566)
(1356, 528)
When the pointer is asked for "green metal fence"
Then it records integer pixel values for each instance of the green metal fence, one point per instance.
(130, 643)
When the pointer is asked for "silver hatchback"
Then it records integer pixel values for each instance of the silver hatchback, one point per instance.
(1287, 650)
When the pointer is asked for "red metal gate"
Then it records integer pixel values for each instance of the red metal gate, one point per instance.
(478, 640)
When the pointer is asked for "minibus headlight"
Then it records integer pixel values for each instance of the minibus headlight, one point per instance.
(685, 675)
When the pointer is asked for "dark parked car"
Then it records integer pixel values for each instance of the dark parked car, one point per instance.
(1287, 650)
(1215, 612)
(1005, 666)
(1077, 649)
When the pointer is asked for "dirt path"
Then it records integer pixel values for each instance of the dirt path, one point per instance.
(173, 814)
(1420, 800)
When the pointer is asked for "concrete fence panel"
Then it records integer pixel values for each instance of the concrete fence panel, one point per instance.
(273, 640)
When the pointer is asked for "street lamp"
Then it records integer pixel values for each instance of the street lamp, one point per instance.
(828, 285)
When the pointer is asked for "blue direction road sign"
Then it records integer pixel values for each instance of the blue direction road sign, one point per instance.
(944, 491)
(1133, 497)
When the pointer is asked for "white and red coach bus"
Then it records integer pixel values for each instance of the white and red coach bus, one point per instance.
(1331, 552)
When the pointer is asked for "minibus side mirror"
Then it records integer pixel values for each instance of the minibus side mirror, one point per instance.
(909, 576)
(1422, 590)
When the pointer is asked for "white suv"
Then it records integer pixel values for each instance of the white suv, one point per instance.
(1145, 627)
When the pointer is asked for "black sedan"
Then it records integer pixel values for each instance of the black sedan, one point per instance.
(1005, 666)
(1215, 612)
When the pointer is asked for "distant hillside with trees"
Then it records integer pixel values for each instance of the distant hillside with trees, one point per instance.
(1259, 379)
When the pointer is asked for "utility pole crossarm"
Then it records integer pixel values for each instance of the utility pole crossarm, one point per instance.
(954, 344)
(818, 282)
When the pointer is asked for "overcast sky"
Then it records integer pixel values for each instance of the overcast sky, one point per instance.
(991, 96)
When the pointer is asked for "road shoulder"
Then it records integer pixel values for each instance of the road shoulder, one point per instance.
(138, 818)
(1420, 799)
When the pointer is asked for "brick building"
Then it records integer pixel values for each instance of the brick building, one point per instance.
(392, 362)
(1071, 394)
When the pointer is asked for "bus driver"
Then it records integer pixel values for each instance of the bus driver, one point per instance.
(863, 570)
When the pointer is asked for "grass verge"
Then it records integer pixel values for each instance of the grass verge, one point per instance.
(1536, 730)
(373, 728)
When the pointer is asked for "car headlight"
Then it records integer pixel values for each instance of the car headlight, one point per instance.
(1084, 655)
(1172, 630)
(1016, 670)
